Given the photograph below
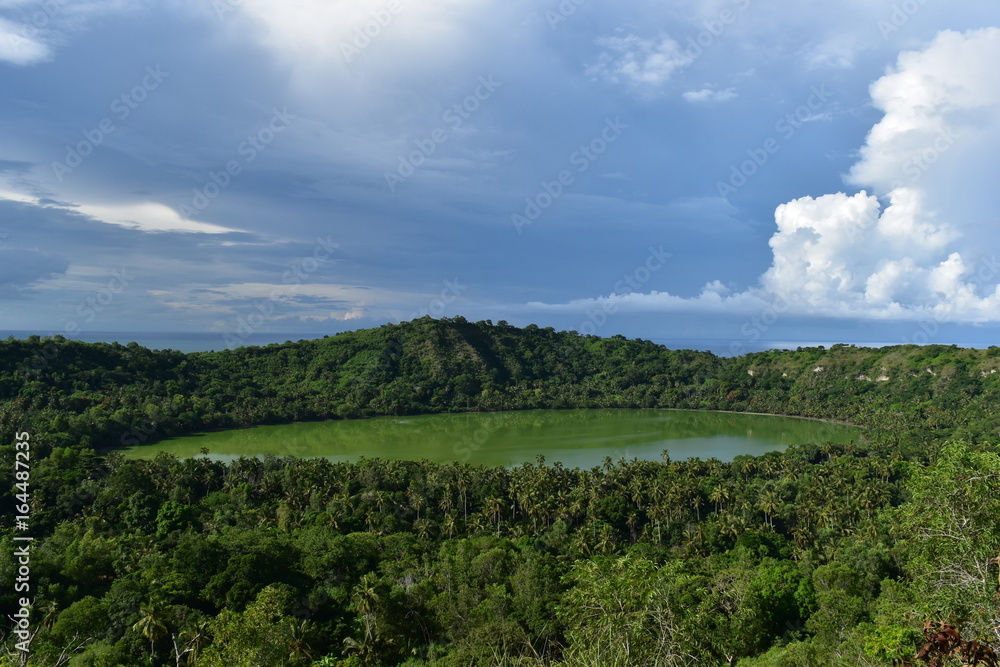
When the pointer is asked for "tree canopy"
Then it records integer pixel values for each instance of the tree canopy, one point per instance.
(825, 554)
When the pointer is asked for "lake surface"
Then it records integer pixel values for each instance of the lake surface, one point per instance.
(577, 438)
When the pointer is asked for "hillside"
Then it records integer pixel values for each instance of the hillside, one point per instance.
(821, 555)
(106, 395)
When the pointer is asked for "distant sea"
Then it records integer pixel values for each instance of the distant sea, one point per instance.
(172, 340)
(727, 347)
(203, 342)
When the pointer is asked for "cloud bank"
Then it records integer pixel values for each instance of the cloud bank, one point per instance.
(912, 244)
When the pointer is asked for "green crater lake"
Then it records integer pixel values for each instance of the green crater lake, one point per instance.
(577, 438)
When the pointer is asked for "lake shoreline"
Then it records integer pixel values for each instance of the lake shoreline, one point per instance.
(488, 412)
(769, 414)
(572, 436)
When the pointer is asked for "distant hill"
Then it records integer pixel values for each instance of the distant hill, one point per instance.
(103, 395)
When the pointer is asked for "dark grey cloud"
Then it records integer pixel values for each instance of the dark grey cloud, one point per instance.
(416, 94)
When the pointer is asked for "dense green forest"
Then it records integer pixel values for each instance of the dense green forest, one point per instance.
(821, 555)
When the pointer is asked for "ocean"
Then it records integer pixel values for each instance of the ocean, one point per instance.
(172, 340)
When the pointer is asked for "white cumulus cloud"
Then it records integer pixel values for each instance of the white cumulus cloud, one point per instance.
(916, 242)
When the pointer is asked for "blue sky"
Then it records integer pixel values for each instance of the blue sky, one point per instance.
(741, 170)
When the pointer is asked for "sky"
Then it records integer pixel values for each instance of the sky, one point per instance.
(735, 170)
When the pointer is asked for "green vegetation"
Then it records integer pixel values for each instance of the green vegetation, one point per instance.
(825, 554)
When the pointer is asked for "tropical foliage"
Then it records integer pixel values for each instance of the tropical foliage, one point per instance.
(854, 554)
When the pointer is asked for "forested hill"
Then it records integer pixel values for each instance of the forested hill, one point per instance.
(105, 395)
(823, 555)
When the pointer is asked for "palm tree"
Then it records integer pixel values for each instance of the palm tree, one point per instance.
(576, 507)
(380, 500)
(198, 640)
(768, 504)
(423, 528)
(152, 623)
(446, 503)
(633, 521)
(449, 524)
(580, 542)
(299, 644)
(417, 500)
(495, 508)
(477, 524)
(655, 513)
(51, 613)
(606, 539)
(719, 496)
(637, 488)
(695, 500)
(729, 525)
(462, 484)
(366, 602)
